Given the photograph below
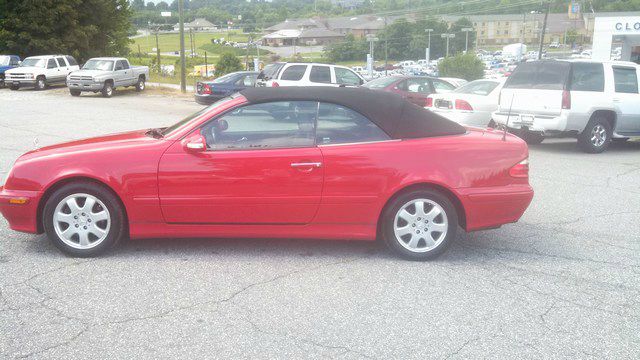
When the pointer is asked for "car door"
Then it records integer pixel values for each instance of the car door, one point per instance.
(63, 68)
(52, 72)
(625, 99)
(261, 166)
(119, 74)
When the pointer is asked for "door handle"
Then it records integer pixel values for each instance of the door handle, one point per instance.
(306, 164)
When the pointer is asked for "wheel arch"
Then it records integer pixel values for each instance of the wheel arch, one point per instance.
(68, 180)
(609, 114)
(455, 200)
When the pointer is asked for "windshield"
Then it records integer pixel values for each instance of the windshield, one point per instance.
(184, 121)
(4, 60)
(224, 79)
(480, 87)
(33, 62)
(104, 65)
(380, 83)
(270, 71)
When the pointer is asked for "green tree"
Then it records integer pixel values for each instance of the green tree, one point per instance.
(347, 50)
(464, 66)
(82, 28)
(228, 63)
(457, 44)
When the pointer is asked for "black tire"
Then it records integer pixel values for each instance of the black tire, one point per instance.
(116, 230)
(389, 222)
(619, 140)
(41, 83)
(140, 85)
(107, 89)
(600, 129)
(532, 138)
(74, 92)
(14, 87)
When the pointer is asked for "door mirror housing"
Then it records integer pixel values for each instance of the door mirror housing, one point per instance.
(194, 143)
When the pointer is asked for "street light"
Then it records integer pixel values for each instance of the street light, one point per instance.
(466, 42)
(429, 31)
(447, 36)
(371, 39)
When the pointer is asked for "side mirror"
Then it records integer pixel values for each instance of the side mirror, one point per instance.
(194, 143)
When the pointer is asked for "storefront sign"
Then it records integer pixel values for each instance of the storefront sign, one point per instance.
(635, 26)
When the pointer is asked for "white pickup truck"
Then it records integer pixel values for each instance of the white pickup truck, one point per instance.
(597, 102)
(105, 75)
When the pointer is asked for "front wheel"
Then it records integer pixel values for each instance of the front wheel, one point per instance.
(83, 219)
(14, 87)
(420, 225)
(140, 84)
(74, 92)
(41, 83)
(596, 136)
(107, 89)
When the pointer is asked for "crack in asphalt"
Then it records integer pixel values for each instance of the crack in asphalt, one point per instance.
(465, 344)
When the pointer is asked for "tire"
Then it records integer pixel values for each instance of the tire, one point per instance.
(596, 136)
(140, 85)
(401, 231)
(14, 87)
(107, 89)
(98, 228)
(74, 92)
(532, 138)
(619, 140)
(41, 83)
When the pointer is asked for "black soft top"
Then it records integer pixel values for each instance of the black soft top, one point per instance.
(399, 118)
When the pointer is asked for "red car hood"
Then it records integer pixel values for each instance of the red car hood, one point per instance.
(126, 139)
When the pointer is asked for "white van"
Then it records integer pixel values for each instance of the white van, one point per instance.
(307, 74)
(596, 102)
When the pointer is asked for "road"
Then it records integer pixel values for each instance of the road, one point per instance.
(564, 282)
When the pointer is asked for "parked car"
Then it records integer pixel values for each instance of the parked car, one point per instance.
(416, 89)
(554, 45)
(595, 102)
(307, 74)
(7, 62)
(41, 71)
(105, 75)
(454, 81)
(331, 163)
(208, 92)
(471, 104)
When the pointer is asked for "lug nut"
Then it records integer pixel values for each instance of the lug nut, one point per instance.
(417, 231)
(75, 217)
(77, 225)
(84, 227)
(89, 220)
(419, 219)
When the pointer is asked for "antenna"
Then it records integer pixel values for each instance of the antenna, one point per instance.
(506, 125)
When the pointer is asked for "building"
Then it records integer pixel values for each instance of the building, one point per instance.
(199, 24)
(616, 36)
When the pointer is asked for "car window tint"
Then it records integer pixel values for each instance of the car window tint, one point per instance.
(72, 61)
(119, 65)
(51, 64)
(418, 85)
(346, 77)
(320, 74)
(14, 61)
(587, 77)
(625, 79)
(442, 86)
(338, 125)
(294, 72)
(61, 62)
(124, 64)
(283, 124)
(546, 75)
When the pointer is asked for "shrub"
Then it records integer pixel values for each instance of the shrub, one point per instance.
(467, 67)
(228, 63)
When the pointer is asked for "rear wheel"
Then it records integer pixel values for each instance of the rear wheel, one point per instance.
(140, 84)
(596, 136)
(107, 89)
(532, 138)
(83, 219)
(419, 225)
(41, 83)
(74, 92)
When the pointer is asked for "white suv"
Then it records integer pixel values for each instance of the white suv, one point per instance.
(41, 71)
(307, 74)
(597, 102)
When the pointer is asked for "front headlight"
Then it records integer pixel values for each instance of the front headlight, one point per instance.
(96, 80)
(29, 76)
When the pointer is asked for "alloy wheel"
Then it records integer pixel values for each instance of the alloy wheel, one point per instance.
(81, 221)
(598, 135)
(420, 225)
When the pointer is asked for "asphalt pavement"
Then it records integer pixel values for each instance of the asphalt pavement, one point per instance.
(564, 282)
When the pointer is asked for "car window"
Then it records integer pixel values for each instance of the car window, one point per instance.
(294, 72)
(587, 77)
(272, 125)
(418, 85)
(320, 74)
(72, 61)
(270, 71)
(338, 125)
(346, 77)
(15, 61)
(625, 79)
(480, 87)
(61, 62)
(125, 65)
(249, 80)
(119, 65)
(51, 64)
(442, 86)
(546, 75)
(380, 82)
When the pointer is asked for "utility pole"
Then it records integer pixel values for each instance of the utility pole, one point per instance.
(183, 65)
(386, 49)
(524, 26)
(429, 31)
(466, 42)
(158, 51)
(544, 28)
(447, 36)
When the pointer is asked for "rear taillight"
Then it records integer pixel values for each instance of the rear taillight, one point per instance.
(520, 170)
(463, 105)
(429, 102)
(206, 89)
(274, 84)
(566, 99)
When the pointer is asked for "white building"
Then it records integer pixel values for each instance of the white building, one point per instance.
(616, 36)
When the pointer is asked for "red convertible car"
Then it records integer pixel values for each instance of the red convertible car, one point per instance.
(322, 163)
